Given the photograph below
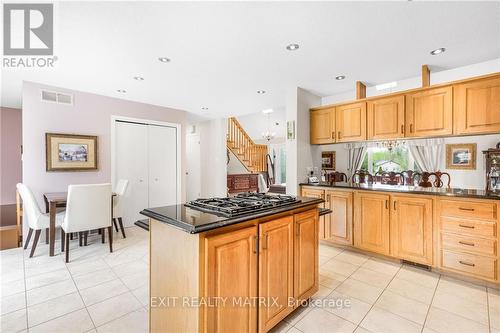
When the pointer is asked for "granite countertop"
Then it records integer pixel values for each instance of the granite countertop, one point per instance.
(194, 221)
(443, 191)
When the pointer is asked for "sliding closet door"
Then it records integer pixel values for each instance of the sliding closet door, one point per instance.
(163, 162)
(131, 162)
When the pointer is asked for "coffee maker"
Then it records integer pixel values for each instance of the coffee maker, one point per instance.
(492, 156)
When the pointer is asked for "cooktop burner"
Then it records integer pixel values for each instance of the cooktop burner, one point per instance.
(242, 203)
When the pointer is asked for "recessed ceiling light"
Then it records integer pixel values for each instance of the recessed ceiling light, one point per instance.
(261, 92)
(204, 108)
(438, 51)
(340, 77)
(138, 78)
(122, 91)
(292, 47)
(267, 111)
(164, 59)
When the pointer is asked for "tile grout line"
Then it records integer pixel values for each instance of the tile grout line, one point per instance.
(430, 304)
(488, 309)
(25, 291)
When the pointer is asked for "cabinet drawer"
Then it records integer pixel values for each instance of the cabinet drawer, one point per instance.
(469, 209)
(469, 263)
(469, 244)
(468, 227)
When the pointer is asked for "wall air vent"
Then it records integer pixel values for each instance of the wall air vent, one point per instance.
(56, 97)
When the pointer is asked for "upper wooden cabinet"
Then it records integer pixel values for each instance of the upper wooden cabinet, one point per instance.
(386, 118)
(275, 271)
(371, 222)
(477, 106)
(231, 269)
(429, 112)
(340, 220)
(351, 122)
(323, 126)
(411, 228)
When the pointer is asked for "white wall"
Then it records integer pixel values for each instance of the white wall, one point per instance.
(300, 154)
(235, 167)
(256, 123)
(437, 77)
(213, 167)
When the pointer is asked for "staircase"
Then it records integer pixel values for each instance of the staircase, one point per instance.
(250, 154)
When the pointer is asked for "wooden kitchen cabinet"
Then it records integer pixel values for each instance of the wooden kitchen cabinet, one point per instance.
(307, 192)
(340, 220)
(429, 112)
(306, 270)
(275, 271)
(231, 269)
(477, 106)
(322, 127)
(351, 122)
(386, 118)
(371, 222)
(411, 228)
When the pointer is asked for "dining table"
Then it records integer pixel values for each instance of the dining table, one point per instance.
(54, 200)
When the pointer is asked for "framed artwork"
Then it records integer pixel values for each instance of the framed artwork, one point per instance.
(69, 152)
(290, 130)
(461, 156)
(328, 160)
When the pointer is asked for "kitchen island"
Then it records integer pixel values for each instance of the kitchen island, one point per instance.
(213, 273)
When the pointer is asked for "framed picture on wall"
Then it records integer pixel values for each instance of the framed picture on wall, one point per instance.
(328, 160)
(461, 156)
(69, 152)
(290, 130)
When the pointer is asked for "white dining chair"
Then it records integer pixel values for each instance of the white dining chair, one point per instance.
(37, 220)
(119, 192)
(88, 208)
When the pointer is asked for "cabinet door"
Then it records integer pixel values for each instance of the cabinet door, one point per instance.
(477, 107)
(411, 229)
(429, 112)
(275, 271)
(371, 222)
(351, 122)
(386, 118)
(323, 126)
(323, 225)
(231, 270)
(340, 220)
(306, 273)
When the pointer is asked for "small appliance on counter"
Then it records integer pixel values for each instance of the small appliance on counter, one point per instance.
(312, 179)
(492, 156)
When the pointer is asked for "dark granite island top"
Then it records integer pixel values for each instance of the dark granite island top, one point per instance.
(449, 192)
(194, 221)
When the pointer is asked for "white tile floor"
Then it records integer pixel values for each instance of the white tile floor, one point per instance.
(102, 292)
(96, 291)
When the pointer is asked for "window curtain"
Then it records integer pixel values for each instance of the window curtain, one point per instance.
(357, 153)
(427, 153)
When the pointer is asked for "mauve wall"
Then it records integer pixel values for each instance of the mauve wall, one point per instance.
(89, 115)
(10, 154)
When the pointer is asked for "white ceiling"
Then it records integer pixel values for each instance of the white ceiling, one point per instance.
(222, 53)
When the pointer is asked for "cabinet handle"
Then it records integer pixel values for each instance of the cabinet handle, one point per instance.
(333, 135)
(394, 205)
(338, 135)
(466, 243)
(466, 226)
(402, 129)
(297, 232)
(387, 204)
(264, 246)
(256, 244)
(467, 209)
(328, 197)
(466, 263)
(411, 128)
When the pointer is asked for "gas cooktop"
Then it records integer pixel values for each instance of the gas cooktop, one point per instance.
(242, 203)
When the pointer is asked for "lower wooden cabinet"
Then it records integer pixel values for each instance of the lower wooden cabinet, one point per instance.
(323, 230)
(339, 222)
(231, 270)
(275, 271)
(306, 270)
(371, 222)
(411, 228)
